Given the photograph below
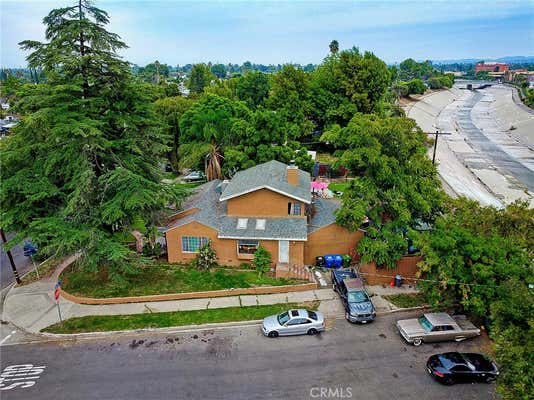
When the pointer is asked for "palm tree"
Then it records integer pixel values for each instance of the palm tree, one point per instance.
(212, 165)
(334, 46)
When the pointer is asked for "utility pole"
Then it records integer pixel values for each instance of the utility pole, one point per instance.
(10, 256)
(435, 147)
(437, 133)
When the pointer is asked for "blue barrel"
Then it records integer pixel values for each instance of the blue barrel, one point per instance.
(338, 260)
(329, 261)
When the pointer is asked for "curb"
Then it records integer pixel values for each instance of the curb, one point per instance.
(170, 329)
(186, 328)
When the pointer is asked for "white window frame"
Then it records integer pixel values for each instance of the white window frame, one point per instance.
(295, 204)
(202, 242)
(252, 242)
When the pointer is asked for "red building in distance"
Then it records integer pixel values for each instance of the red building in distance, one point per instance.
(491, 67)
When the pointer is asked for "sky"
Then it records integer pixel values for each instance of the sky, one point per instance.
(277, 32)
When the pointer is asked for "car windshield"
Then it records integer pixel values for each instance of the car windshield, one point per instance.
(283, 318)
(357, 297)
(312, 315)
(427, 326)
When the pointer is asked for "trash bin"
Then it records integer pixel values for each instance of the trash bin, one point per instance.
(398, 280)
(329, 261)
(319, 261)
(338, 261)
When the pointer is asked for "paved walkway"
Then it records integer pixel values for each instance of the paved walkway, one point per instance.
(32, 307)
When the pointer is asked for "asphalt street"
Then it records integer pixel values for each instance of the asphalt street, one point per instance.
(347, 361)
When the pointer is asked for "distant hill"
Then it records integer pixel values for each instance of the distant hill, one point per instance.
(509, 60)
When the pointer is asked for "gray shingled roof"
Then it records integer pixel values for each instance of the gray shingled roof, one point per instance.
(275, 229)
(324, 213)
(206, 199)
(270, 175)
(212, 213)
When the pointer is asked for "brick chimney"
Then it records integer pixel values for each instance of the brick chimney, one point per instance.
(292, 173)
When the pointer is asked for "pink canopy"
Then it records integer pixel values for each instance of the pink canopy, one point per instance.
(319, 185)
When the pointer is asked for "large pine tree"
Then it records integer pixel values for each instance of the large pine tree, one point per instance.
(83, 164)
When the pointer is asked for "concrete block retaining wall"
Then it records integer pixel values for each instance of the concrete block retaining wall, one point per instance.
(191, 295)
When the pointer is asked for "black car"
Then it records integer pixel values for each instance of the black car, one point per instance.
(454, 367)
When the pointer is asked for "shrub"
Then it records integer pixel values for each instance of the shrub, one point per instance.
(262, 260)
(206, 257)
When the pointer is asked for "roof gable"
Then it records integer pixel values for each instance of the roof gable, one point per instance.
(272, 176)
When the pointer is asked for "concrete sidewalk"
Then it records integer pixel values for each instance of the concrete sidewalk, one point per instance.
(32, 307)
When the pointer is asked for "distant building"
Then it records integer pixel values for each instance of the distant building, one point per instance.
(492, 67)
(510, 75)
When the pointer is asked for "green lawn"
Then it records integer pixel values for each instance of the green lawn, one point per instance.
(162, 279)
(338, 186)
(102, 323)
(406, 300)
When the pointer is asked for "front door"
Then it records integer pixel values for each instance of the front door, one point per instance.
(283, 251)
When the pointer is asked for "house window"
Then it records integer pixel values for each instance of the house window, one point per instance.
(192, 244)
(247, 246)
(293, 208)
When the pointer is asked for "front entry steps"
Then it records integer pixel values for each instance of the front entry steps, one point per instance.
(284, 270)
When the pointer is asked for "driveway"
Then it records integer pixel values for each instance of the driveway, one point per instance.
(347, 361)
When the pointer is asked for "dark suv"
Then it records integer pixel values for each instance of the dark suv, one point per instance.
(358, 305)
(338, 275)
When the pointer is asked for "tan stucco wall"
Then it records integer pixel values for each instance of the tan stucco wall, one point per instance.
(226, 249)
(330, 239)
(261, 203)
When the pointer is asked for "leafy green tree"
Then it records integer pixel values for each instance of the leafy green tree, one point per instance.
(262, 260)
(411, 69)
(253, 88)
(171, 109)
(290, 96)
(224, 88)
(212, 115)
(81, 165)
(199, 78)
(364, 78)
(154, 72)
(395, 185)
(219, 70)
(401, 89)
(330, 103)
(206, 258)
(481, 258)
(10, 85)
(416, 86)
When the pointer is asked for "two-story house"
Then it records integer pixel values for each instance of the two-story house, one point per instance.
(269, 204)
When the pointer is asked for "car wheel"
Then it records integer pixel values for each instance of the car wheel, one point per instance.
(273, 334)
(448, 381)
(312, 331)
(417, 342)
